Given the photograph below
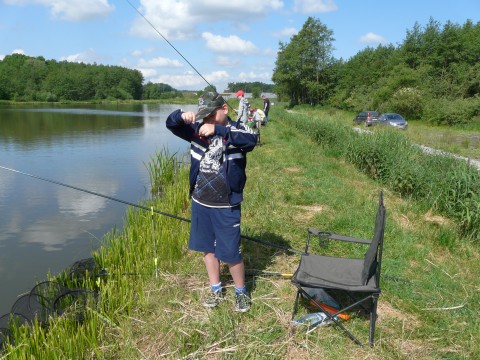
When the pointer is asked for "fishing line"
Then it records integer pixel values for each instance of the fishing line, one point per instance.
(154, 244)
(95, 193)
(174, 48)
(169, 43)
(267, 243)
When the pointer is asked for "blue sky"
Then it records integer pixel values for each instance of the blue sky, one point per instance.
(226, 41)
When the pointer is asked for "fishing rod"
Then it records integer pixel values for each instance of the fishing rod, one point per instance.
(168, 42)
(174, 48)
(150, 209)
(95, 193)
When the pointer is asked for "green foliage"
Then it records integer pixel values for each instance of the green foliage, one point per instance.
(153, 91)
(434, 64)
(162, 169)
(25, 78)
(305, 68)
(452, 111)
(407, 101)
(256, 87)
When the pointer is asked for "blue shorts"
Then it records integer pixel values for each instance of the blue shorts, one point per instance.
(216, 230)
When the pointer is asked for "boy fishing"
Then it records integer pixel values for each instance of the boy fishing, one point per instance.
(218, 149)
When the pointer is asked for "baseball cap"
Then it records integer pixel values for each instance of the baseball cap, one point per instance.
(209, 106)
(239, 93)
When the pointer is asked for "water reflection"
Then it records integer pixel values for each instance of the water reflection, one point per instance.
(46, 227)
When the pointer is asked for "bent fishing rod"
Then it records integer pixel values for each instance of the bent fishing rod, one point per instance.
(151, 209)
(174, 48)
(168, 42)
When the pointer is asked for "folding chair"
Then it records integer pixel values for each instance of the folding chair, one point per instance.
(358, 279)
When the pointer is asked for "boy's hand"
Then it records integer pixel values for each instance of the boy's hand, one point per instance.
(188, 117)
(206, 130)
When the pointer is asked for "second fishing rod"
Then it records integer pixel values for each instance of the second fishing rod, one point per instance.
(149, 209)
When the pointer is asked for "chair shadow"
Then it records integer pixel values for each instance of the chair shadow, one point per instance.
(258, 256)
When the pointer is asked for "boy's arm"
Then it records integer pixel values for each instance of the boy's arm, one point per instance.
(238, 136)
(177, 126)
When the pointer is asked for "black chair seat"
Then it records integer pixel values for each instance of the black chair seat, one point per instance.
(332, 272)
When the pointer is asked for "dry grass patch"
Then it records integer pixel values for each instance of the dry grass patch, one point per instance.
(387, 312)
(307, 213)
(437, 219)
(404, 222)
(293, 169)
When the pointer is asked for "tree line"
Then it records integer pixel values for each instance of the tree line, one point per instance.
(434, 74)
(25, 78)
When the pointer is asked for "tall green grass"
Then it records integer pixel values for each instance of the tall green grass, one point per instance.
(448, 185)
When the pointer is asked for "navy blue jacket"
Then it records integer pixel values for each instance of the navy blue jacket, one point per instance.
(237, 141)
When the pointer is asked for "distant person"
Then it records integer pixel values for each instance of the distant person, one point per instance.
(266, 107)
(243, 105)
(262, 115)
(218, 148)
(256, 117)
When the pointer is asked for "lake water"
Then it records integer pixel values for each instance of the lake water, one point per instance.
(44, 227)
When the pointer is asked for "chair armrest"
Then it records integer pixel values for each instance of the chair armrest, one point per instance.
(329, 235)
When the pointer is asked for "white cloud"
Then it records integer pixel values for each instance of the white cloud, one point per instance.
(372, 38)
(159, 62)
(192, 81)
(171, 19)
(228, 44)
(227, 61)
(141, 52)
(2, 57)
(148, 73)
(72, 10)
(178, 19)
(18, 51)
(250, 76)
(286, 32)
(89, 56)
(314, 6)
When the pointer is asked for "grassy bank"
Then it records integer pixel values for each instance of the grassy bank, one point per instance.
(428, 308)
(463, 140)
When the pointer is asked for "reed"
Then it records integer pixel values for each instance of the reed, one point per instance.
(162, 168)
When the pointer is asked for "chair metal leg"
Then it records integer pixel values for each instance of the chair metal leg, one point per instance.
(295, 305)
(373, 319)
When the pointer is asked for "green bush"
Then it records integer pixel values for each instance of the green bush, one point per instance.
(452, 112)
(406, 101)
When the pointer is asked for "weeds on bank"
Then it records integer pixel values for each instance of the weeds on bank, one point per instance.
(447, 185)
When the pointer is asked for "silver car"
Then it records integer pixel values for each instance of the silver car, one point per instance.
(395, 120)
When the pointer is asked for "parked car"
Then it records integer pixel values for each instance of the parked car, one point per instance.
(367, 117)
(395, 120)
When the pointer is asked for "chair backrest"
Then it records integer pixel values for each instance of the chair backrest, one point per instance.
(373, 257)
